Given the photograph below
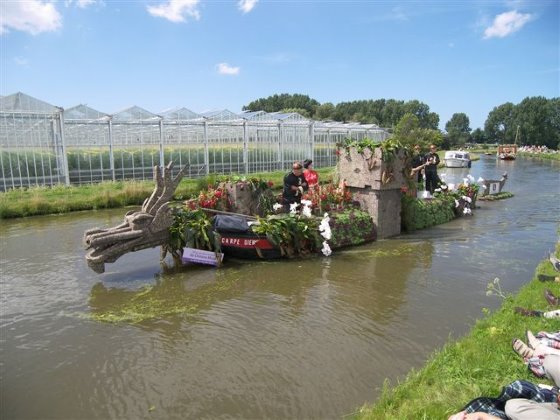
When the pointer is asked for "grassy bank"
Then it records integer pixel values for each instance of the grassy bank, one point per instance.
(477, 365)
(37, 201)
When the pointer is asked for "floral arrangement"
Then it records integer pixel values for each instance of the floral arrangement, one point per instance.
(216, 198)
(464, 195)
(328, 197)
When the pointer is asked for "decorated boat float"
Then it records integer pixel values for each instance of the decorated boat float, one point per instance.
(241, 218)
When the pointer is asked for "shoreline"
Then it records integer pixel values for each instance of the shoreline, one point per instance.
(479, 363)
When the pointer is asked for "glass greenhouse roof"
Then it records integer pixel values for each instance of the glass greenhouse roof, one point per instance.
(83, 112)
(134, 113)
(222, 115)
(22, 102)
(181, 114)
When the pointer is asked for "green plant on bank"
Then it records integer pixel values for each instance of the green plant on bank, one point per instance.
(294, 234)
(389, 147)
(478, 364)
(494, 288)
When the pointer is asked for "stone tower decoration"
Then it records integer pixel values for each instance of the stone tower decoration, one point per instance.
(375, 182)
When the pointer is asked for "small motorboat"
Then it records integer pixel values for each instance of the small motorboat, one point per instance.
(457, 159)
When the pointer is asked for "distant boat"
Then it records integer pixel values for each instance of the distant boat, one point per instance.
(508, 151)
(457, 159)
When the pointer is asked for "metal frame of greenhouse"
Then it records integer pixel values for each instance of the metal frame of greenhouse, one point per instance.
(44, 145)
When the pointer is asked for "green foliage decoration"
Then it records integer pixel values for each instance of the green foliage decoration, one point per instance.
(351, 227)
(294, 234)
(389, 147)
(193, 229)
(420, 214)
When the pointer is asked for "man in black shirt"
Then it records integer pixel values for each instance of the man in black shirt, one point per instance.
(417, 166)
(294, 186)
(432, 161)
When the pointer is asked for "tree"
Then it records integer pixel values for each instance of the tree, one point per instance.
(277, 103)
(324, 111)
(409, 132)
(538, 121)
(478, 136)
(537, 118)
(426, 118)
(500, 125)
(458, 129)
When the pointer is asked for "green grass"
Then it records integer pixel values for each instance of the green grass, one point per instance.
(477, 365)
(37, 201)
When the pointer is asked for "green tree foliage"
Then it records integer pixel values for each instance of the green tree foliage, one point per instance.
(538, 120)
(324, 111)
(500, 126)
(409, 132)
(458, 129)
(283, 101)
(478, 136)
(383, 112)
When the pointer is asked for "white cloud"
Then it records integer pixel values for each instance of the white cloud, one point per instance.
(398, 13)
(247, 5)
(82, 4)
(225, 68)
(32, 16)
(176, 10)
(506, 24)
(21, 61)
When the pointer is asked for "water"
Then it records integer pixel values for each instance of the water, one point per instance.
(311, 338)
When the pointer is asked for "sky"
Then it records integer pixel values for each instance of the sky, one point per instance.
(455, 56)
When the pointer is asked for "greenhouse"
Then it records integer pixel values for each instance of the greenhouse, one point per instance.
(42, 144)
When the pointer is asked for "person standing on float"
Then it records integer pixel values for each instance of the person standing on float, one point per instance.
(432, 161)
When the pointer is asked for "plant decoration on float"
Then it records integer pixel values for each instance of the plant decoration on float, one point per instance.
(216, 196)
(297, 233)
(328, 198)
(447, 203)
(389, 147)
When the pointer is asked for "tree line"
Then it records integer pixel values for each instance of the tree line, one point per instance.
(534, 121)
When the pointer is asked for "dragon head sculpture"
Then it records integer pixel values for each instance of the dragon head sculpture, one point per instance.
(146, 228)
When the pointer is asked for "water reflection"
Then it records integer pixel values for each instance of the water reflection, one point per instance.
(362, 279)
(286, 339)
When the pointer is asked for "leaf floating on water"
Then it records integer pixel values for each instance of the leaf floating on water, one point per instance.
(152, 408)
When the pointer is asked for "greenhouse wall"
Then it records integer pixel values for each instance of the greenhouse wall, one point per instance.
(49, 146)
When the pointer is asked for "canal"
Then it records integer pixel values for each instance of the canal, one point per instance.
(313, 338)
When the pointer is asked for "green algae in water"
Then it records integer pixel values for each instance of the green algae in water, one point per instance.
(162, 300)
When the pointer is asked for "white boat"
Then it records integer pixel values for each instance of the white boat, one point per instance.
(457, 159)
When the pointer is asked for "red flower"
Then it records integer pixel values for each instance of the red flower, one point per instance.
(270, 183)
